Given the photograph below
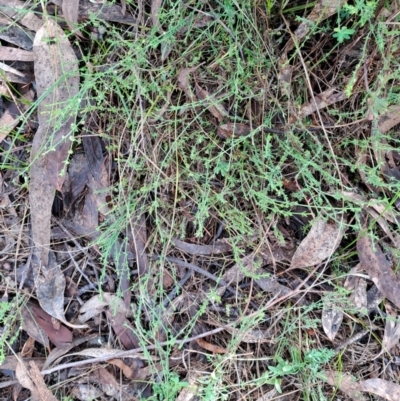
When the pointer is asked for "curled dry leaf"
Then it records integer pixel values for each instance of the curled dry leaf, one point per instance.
(319, 244)
(379, 268)
(332, 317)
(126, 370)
(233, 130)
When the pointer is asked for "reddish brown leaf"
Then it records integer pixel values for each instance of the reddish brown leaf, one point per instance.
(215, 349)
(123, 330)
(60, 337)
(379, 268)
(126, 370)
(108, 383)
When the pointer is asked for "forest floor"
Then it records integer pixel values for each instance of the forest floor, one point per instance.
(199, 200)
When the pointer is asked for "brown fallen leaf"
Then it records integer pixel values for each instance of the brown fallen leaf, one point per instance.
(86, 392)
(123, 330)
(391, 335)
(332, 317)
(215, 349)
(382, 388)
(322, 10)
(70, 10)
(98, 303)
(13, 113)
(346, 383)
(389, 119)
(126, 370)
(108, 383)
(57, 79)
(29, 377)
(183, 82)
(322, 100)
(15, 54)
(213, 105)
(379, 269)
(58, 352)
(61, 337)
(233, 130)
(17, 10)
(319, 244)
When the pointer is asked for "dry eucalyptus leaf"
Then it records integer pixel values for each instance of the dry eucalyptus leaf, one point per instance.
(86, 392)
(359, 296)
(98, 303)
(389, 119)
(379, 268)
(108, 383)
(332, 317)
(319, 244)
(57, 81)
(382, 388)
(391, 336)
(233, 130)
(346, 383)
(70, 9)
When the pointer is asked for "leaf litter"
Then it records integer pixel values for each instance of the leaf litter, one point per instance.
(130, 270)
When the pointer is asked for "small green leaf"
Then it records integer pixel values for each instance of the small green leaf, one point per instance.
(343, 33)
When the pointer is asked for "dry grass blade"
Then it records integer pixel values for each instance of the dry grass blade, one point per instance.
(379, 268)
(319, 244)
(391, 336)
